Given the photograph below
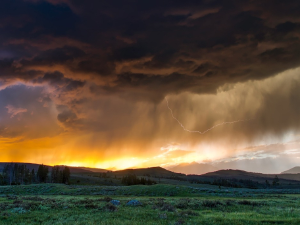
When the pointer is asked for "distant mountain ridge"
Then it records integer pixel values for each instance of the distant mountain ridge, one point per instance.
(181, 170)
(193, 168)
(244, 179)
(240, 174)
(294, 170)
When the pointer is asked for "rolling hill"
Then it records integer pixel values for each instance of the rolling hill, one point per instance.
(88, 169)
(294, 170)
(240, 174)
(240, 177)
(151, 171)
(193, 168)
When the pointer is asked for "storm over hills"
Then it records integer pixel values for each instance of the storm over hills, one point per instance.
(85, 83)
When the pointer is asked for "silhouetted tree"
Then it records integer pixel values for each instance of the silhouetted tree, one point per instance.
(275, 181)
(132, 179)
(60, 174)
(2, 182)
(15, 174)
(42, 173)
(8, 173)
(55, 176)
(33, 177)
(66, 175)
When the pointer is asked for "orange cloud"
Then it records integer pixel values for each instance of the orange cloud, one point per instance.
(13, 111)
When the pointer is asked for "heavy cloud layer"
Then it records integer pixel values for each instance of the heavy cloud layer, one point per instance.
(97, 73)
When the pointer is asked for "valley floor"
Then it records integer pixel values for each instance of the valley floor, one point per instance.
(157, 204)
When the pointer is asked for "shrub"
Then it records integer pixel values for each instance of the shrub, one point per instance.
(160, 202)
(183, 203)
(163, 216)
(211, 204)
(110, 207)
(5, 215)
(186, 213)
(19, 210)
(246, 202)
(11, 197)
(229, 202)
(33, 198)
(17, 202)
(43, 208)
(106, 199)
(179, 222)
(167, 207)
(86, 201)
(91, 206)
(30, 205)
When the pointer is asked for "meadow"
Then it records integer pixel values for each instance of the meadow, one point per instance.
(140, 204)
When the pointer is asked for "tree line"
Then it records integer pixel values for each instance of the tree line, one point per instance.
(15, 174)
(132, 179)
(238, 183)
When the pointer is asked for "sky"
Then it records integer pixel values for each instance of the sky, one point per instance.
(118, 84)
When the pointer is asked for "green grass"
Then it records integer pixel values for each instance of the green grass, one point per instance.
(60, 204)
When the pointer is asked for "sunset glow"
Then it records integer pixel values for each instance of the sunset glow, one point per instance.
(91, 91)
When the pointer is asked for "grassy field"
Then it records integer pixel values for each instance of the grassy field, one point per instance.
(160, 204)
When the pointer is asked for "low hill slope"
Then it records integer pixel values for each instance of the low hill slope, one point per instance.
(88, 169)
(151, 171)
(294, 170)
(193, 168)
(244, 175)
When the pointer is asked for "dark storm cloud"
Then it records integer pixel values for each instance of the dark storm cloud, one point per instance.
(58, 80)
(54, 56)
(209, 42)
(147, 86)
(9, 71)
(143, 50)
(66, 116)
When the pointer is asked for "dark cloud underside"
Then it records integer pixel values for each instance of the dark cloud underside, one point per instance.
(142, 45)
(99, 71)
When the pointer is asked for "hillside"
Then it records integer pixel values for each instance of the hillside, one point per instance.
(240, 174)
(230, 178)
(151, 171)
(88, 169)
(239, 178)
(193, 168)
(294, 170)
